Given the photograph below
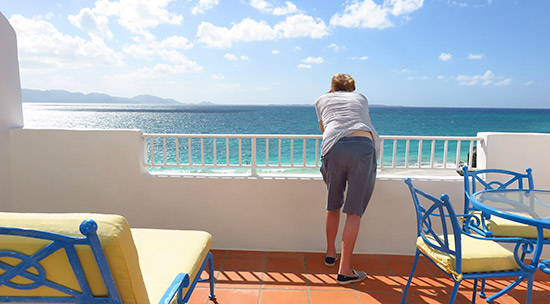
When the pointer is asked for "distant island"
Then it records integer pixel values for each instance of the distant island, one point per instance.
(61, 96)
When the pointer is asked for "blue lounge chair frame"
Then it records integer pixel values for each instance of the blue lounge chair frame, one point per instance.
(442, 212)
(88, 228)
(515, 180)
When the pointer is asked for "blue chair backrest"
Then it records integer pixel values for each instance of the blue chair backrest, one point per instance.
(24, 272)
(437, 223)
(503, 179)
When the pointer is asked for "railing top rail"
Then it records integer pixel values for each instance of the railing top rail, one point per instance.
(234, 135)
(398, 137)
(431, 137)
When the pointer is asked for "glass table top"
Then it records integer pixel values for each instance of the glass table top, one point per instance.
(526, 206)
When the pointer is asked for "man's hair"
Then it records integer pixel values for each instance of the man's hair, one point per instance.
(342, 82)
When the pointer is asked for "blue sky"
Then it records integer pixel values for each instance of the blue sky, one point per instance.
(451, 53)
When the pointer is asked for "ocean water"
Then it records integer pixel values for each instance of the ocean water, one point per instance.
(266, 119)
(244, 119)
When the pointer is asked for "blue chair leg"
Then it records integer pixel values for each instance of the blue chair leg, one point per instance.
(410, 277)
(475, 291)
(530, 288)
(482, 291)
(508, 288)
(211, 275)
(455, 291)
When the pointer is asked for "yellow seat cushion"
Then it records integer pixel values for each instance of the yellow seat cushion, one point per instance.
(116, 239)
(477, 256)
(501, 227)
(163, 254)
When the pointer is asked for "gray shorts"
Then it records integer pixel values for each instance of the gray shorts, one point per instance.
(351, 161)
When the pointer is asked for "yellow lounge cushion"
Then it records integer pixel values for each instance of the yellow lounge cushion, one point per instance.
(477, 256)
(114, 235)
(163, 254)
(501, 227)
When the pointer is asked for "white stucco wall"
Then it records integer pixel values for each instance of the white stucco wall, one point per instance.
(11, 113)
(518, 151)
(100, 171)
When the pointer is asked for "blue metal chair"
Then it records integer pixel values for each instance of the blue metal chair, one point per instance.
(27, 280)
(461, 256)
(492, 179)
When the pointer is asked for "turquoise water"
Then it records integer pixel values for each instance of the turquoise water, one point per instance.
(280, 119)
(197, 119)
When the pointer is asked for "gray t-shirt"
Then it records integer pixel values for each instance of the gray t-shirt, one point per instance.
(343, 113)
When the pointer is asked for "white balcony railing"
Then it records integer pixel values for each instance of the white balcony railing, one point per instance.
(296, 153)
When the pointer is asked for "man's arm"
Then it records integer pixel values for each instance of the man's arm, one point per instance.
(321, 126)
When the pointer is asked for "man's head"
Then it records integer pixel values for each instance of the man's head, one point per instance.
(342, 82)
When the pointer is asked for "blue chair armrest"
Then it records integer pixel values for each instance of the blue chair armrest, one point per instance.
(180, 282)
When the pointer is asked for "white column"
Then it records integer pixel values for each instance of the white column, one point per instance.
(11, 111)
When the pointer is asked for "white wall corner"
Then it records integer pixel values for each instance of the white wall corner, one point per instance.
(11, 110)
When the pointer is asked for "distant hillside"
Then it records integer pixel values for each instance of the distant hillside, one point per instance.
(61, 96)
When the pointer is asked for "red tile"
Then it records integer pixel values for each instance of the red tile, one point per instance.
(426, 285)
(285, 261)
(331, 297)
(219, 257)
(325, 281)
(236, 296)
(370, 263)
(244, 260)
(283, 296)
(315, 263)
(199, 296)
(284, 280)
(402, 265)
(378, 283)
(239, 279)
(379, 297)
(287, 277)
(428, 299)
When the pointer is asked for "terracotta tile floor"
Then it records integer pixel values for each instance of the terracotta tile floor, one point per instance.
(258, 277)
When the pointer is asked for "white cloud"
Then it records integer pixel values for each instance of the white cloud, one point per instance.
(528, 83)
(203, 6)
(362, 58)
(445, 56)
(440, 77)
(313, 60)
(368, 14)
(218, 76)
(266, 7)
(486, 79)
(403, 7)
(304, 66)
(94, 24)
(232, 57)
(403, 71)
(468, 3)
(148, 48)
(475, 56)
(246, 30)
(301, 26)
(336, 48)
(275, 52)
(290, 8)
(137, 16)
(251, 30)
(41, 44)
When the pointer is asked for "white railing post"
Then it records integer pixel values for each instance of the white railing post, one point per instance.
(400, 154)
(253, 157)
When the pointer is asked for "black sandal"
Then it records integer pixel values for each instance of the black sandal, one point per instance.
(344, 279)
(330, 261)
